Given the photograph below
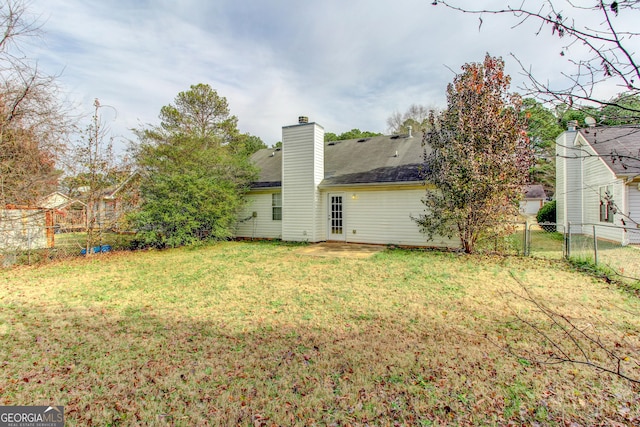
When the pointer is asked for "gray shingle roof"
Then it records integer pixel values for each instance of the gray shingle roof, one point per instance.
(534, 191)
(618, 146)
(269, 164)
(375, 160)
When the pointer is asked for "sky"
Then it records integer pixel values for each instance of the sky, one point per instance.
(344, 64)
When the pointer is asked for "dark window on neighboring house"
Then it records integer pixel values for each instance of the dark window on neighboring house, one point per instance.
(276, 206)
(606, 204)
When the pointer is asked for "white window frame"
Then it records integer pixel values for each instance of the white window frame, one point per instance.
(276, 206)
(606, 208)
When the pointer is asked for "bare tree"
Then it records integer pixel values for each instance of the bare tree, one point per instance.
(33, 123)
(94, 169)
(416, 116)
(600, 48)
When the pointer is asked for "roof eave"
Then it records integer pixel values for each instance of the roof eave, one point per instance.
(371, 184)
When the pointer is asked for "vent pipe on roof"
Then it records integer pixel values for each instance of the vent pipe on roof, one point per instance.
(410, 129)
(303, 119)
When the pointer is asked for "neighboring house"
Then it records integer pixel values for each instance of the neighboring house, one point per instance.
(55, 200)
(598, 179)
(114, 202)
(534, 198)
(69, 214)
(360, 190)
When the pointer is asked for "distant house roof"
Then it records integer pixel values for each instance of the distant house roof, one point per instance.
(534, 191)
(58, 200)
(54, 200)
(617, 146)
(374, 160)
(111, 192)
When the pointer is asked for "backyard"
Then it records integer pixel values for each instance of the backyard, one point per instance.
(257, 333)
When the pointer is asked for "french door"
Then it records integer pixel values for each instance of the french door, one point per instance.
(336, 217)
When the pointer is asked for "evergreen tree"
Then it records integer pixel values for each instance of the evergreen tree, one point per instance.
(195, 171)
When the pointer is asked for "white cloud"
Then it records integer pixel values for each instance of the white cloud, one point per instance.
(344, 64)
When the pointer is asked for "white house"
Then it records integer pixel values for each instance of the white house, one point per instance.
(361, 190)
(598, 179)
(55, 200)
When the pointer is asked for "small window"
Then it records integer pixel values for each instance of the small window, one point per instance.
(276, 206)
(607, 209)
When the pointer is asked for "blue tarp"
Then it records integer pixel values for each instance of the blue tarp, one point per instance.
(97, 249)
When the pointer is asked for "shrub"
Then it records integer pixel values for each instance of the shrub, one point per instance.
(547, 214)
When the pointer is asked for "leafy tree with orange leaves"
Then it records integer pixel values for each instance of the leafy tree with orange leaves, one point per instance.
(477, 155)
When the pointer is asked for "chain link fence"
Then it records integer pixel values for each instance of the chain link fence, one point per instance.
(608, 247)
(612, 249)
(507, 238)
(30, 236)
(546, 240)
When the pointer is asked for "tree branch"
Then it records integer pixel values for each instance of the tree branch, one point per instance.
(579, 338)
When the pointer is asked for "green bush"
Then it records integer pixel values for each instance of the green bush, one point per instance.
(547, 213)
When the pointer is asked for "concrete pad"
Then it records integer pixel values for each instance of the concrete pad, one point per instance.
(340, 250)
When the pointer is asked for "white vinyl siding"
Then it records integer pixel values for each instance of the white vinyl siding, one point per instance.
(597, 175)
(574, 190)
(633, 208)
(260, 226)
(384, 217)
(276, 206)
(606, 203)
(561, 190)
(580, 175)
(302, 172)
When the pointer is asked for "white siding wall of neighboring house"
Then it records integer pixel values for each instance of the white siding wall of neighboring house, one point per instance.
(384, 217)
(573, 184)
(633, 210)
(596, 175)
(580, 176)
(560, 190)
(620, 198)
(262, 226)
(302, 171)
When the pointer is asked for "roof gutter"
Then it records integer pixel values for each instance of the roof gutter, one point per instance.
(373, 184)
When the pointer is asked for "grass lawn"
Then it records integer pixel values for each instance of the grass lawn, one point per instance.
(242, 333)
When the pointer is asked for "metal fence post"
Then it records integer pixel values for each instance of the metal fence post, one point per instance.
(526, 245)
(568, 240)
(595, 246)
